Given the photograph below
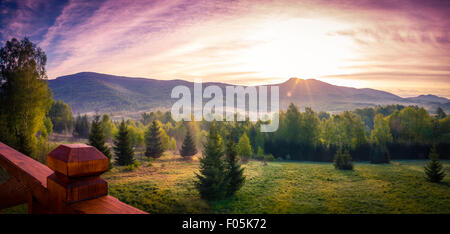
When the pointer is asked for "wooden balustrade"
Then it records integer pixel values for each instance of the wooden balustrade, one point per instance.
(70, 184)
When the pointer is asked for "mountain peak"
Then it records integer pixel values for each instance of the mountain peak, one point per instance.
(89, 91)
(300, 80)
(293, 80)
(429, 98)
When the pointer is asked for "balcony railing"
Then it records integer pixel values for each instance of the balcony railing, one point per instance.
(70, 183)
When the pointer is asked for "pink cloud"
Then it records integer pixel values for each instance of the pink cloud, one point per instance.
(219, 40)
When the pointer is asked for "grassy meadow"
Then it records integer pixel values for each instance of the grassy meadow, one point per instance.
(166, 185)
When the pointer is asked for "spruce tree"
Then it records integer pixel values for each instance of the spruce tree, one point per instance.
(343, 160)
(188, 148)
(85, 127)
(212, 182)
(433, 169)
(154, 147)
(97, 138)
(440, 114)
(81, 128)
(77, 126)
(123, 148)
(235, 173)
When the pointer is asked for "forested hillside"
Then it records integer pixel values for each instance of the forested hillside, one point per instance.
(90, 92)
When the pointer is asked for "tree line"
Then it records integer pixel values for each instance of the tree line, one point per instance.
(28, 115)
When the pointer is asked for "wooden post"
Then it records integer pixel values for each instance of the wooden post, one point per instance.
(77, 169)
(72, 185)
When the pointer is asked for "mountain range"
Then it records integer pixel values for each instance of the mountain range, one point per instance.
(94, 92)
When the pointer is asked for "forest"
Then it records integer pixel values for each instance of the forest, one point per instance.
(221, 160)
(398, 132)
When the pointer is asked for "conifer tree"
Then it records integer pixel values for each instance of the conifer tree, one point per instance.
(235, 173)
(212, 182)
(154, 147)
(188, 148)
(123, 148)
(440, 114)
(81, 128)
(343, 160)
(433, 169)
(97, 138)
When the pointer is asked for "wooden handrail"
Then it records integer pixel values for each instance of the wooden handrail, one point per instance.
(69, 184)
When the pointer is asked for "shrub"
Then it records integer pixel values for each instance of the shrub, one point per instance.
(259, 154)
(244, 148)
(288, 157)
(269, 157)
(133, 166)
(130, 167)
(343, 160)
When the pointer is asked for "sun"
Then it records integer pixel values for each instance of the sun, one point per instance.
(296, 48)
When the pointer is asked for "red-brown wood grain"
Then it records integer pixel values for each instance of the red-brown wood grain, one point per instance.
(12, 193)
(77, 160)
(74, 188)
(28, 172)
(104, 205)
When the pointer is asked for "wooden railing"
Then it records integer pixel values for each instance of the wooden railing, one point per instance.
(70, 183)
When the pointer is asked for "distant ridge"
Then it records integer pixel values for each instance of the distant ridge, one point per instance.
(90, 92)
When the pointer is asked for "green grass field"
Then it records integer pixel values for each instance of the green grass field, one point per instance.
(286, 187)
(167, 186)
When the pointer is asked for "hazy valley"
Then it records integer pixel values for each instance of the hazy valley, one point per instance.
(94, 92)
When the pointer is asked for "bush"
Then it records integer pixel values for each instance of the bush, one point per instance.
(133, 166)
(130, 167)
(259, 154)
(269, 157)
(244, 148)
(343, 160)
(259, 157)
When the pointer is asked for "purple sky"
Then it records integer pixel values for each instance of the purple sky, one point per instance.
(399, 46)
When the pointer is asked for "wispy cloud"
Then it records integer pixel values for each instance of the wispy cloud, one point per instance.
(243, 41)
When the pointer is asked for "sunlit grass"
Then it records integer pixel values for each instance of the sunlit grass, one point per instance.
(286, 187)
(167, 186)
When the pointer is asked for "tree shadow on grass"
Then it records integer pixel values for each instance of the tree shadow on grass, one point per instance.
(353, 174)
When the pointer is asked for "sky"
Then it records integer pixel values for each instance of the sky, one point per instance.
(399, 46)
